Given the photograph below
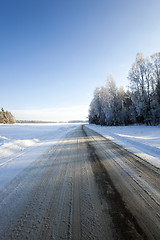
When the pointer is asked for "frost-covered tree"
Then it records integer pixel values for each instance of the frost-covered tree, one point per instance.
(107, 106)
(144, 79)
(6, 117)
(1, 117)
(114, 106)
(112, 100)
(156, 73)
(93, 118)
(130, 111)
(137, 77)
(121, 111)
(148, 86)
(10, 117)
(155, 104)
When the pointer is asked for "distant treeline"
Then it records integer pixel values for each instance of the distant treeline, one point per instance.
(77, 121)
(6, 117)
(33, 121)
(140, 104)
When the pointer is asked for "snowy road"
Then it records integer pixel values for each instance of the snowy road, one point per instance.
(73, 191)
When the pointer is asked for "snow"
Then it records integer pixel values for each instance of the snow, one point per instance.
(21, 144)
(142, 140)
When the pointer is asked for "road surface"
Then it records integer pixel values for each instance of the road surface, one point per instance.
(85, 187)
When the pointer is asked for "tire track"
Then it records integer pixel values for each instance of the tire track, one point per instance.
(67, 194)
(139, 193)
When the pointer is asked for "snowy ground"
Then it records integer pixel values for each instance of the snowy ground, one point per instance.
(142, 140)
(21, 144)
(46, 183)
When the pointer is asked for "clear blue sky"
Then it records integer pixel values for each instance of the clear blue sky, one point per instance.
(53, 54)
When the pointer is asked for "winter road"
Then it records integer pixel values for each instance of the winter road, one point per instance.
(85, 187)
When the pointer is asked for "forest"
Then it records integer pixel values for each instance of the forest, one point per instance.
(140, 103)
(6, 117)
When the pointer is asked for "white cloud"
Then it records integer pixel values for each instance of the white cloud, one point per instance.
(53, 114)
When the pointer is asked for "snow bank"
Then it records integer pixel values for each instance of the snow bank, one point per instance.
(21, 144)
(143, 141)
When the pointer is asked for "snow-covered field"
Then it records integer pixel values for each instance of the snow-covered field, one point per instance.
(21, 144)
(142, 140)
